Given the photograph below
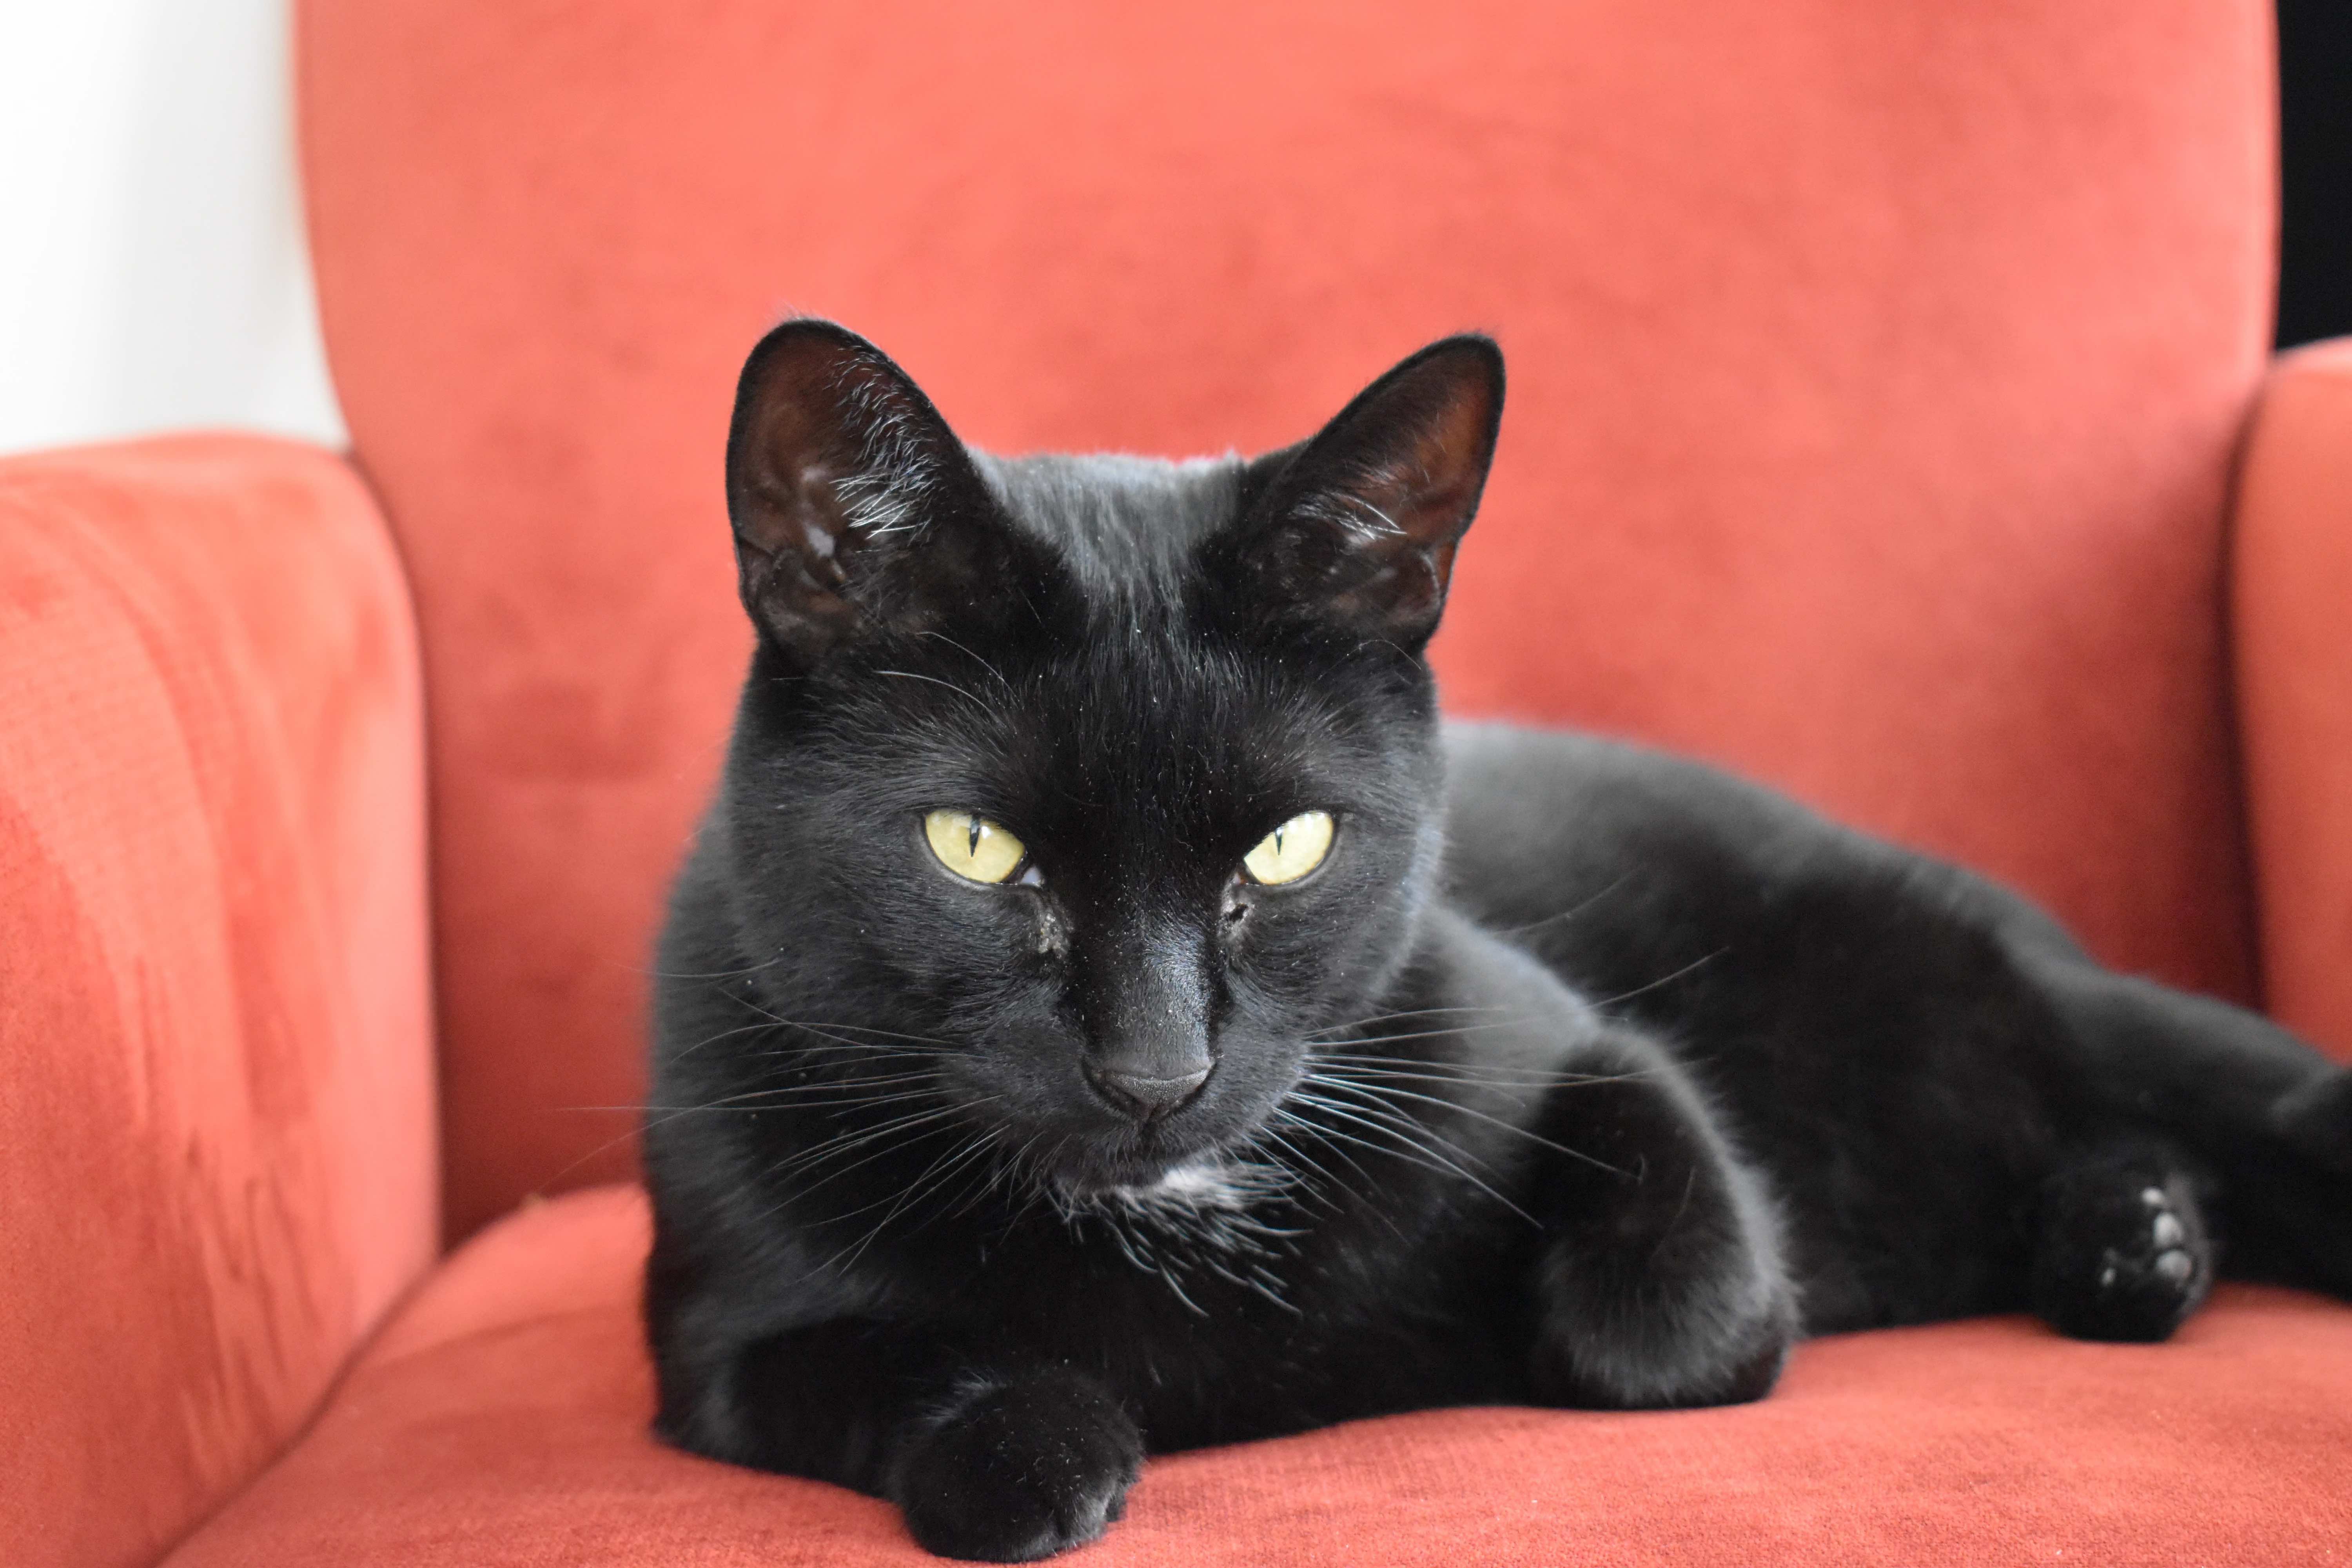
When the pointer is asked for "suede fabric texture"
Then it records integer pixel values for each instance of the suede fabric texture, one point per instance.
(500, 1420)
(1876, 375)
(2293, 590)
(1877, 371)
(216, 1142)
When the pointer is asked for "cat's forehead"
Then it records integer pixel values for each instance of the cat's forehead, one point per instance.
(1137, 697)
(1152, 734)
(1134, 708)
(1124, 526)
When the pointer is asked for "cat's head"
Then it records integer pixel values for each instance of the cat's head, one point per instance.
(1100, 786)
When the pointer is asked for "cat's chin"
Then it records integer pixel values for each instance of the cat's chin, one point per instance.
(1096, 1178)
(1111, 1174)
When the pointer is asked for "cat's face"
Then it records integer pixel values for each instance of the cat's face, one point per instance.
(1102, 786)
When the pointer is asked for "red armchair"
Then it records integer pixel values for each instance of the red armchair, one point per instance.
(1880, 375)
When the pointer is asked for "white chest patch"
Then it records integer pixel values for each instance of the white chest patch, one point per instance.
(1205, 1215)
(1196, 1187)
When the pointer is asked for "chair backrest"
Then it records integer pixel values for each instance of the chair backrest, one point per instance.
(1876, 373)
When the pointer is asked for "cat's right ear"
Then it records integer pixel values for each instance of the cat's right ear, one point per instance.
(854, 507)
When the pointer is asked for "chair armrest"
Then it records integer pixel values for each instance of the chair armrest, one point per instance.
(2292, 615)
(216, 1138)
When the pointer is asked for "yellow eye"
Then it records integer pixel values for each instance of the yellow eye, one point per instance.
(1291, 850)
(973, 846)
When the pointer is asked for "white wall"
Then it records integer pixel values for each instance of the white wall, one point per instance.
(152, 273)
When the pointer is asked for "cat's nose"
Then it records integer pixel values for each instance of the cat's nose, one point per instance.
(1145, 1097)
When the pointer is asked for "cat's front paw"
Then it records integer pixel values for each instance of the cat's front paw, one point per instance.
(1661, 1344)
(1018, 1469)
(1662, 1286)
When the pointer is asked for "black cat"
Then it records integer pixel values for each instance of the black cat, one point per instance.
(1105, 1011)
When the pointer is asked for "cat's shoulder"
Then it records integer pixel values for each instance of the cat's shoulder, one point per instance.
(1521, 774)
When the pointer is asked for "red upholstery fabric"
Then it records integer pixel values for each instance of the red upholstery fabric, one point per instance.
(1876, 370)
(2293, 583)
(501, 1422)
(217, 1155)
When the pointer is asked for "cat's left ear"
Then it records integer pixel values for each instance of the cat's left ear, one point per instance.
(1356, 531)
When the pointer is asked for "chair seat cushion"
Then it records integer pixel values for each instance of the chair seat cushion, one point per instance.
(501, 1419)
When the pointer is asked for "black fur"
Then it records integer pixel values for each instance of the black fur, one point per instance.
(1574, 1075)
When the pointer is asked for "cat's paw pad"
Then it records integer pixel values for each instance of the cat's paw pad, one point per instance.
(2160, 1252)
(2128, 1263)
(1018, 1470)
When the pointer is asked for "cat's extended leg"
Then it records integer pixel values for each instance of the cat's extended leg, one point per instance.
(2124, 1251)
(2270, 1114)
(1661, 1281)
(999, 1464)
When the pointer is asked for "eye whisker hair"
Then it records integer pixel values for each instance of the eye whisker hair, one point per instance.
(932, 679)
(983, 664)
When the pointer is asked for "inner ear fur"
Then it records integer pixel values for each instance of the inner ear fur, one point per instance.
(855, 508)
(1356, 529)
